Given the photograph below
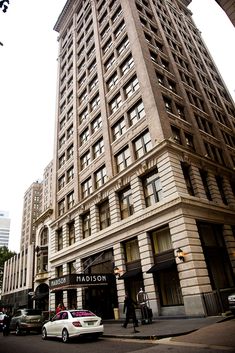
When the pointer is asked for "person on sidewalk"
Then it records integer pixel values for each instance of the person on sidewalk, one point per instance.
(129, 308)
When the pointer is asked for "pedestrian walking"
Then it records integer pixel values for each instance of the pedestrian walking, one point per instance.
(129, 309)
(6, 324)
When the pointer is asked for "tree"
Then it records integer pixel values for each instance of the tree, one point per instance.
(4, 5)
(5, 254)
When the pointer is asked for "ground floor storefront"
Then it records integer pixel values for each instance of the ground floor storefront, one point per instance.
(193, 282)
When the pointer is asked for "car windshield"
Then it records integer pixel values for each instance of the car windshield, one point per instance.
(81, 313)
(32, 312)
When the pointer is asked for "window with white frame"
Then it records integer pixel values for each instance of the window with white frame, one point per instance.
(136, 113)
(86, 187)
(98, 148)
(100, 177)
(118, 128)
(115, 104)
(142, 144)
(85, 160)
(123, 159)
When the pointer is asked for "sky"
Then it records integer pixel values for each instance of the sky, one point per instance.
(28, 72)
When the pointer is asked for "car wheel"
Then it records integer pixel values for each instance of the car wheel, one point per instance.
(65, 335)
(44, 333)
(18, 330)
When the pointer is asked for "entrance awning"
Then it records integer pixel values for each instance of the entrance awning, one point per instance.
(131, 273)
(162, 266)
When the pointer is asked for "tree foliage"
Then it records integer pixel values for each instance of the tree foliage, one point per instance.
(5, 254)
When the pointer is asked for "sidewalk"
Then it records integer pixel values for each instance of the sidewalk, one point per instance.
(168, 327)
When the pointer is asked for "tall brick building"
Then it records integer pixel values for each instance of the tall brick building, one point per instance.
(144, 161)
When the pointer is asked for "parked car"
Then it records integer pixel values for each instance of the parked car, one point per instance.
(231, 302)
(73, 323)
(26, 320)
(1, 320)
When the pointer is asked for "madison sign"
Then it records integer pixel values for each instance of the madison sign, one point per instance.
(79, 279)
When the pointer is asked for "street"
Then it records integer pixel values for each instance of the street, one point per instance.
(33, 343)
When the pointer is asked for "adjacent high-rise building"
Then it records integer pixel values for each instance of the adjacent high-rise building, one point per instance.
(144, 183)
(32, 208)
(229, 8)
(4, 228)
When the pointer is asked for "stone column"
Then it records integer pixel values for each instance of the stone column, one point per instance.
(193, 274)
(119, 261)
(146, 256)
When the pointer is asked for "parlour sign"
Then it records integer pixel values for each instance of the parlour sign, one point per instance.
(79, 279)
(88, 279)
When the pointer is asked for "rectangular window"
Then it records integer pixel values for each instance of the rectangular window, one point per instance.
(152, 188)
(131, 249)
(131, 87)
(85, 160)
(61, 207)
(83, 116)
(115, 104)
(118, 129)
(86, 225)
(71, 267)
(204, 177)
(123, 159)
(96, 124)
(112, 81)
(59, 234)
(136, 113)
(187, 177)
(59, 271)
(61, 160)
(70, 174)
(161, 240)
(127, 65)
(109, 62)
(124, 44)
(61, 182)
(98, 148)
(100, 177)
(95, 103)
(84, 136)
(126, 203)
(70, 200)
(86, 188)
(70, 152)
(71, 231)
(142, 144)
(104, 214)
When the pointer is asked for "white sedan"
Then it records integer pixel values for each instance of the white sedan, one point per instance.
(73, 323)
